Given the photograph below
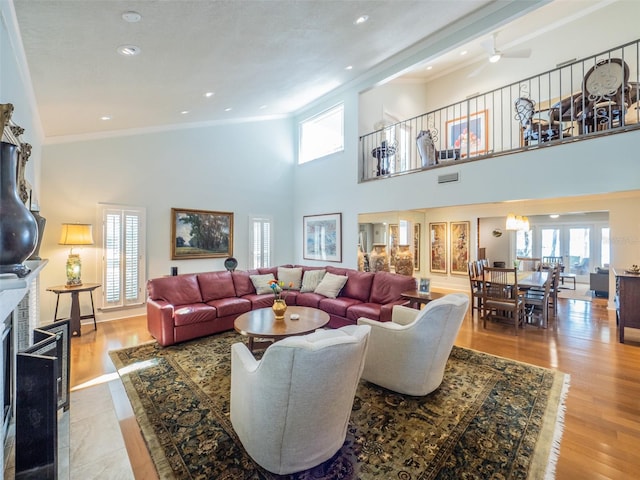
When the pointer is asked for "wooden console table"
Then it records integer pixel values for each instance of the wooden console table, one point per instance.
(75, 315)
(627, 301)
(417, 299)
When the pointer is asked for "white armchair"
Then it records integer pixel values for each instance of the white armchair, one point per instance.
(291, 409)
(408, 354)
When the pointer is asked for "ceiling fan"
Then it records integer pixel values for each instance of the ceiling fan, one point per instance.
(495, 54)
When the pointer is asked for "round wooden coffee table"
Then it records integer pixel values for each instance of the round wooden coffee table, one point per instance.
(262, 323)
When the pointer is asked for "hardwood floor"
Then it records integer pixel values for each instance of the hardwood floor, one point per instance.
(601, 436)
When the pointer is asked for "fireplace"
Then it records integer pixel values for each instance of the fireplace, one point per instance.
(7, 373)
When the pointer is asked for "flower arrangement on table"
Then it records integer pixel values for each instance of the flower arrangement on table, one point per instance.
(278, 289)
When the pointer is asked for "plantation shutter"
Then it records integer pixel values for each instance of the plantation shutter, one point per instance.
(123, 259)
(260, 242)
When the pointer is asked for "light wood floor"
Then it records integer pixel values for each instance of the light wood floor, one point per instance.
(601, 437)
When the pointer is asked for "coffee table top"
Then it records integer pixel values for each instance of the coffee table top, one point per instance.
(262, 322)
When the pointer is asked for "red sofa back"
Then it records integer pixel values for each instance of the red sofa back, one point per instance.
(178, 290)
(387, 287)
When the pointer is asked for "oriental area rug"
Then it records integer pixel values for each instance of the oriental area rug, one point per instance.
(491, 418)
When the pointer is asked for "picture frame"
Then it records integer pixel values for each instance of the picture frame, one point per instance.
(438, 247)
(394, 241)
(459, 248)
(416, 246)
(322, 237)
(201, 234)
(473, 127)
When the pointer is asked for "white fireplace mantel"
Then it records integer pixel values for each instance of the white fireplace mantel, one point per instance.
(13, 289)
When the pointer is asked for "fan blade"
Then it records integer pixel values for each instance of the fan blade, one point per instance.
(477, 71)
(524, 53)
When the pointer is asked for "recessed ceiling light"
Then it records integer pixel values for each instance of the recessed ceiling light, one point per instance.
(349, 67)
(463, 52)
(105, 117)
(554, 215)
(361, 19)
(131, 17)
(228, 109)
(429, 67)
(209, 94)
(184, 112)
(128, 50)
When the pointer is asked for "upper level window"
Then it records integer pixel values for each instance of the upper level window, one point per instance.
(322, 134)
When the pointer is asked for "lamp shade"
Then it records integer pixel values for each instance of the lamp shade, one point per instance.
(76, 234)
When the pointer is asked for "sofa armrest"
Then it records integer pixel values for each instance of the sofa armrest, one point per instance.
(386, 310)
(160, 321)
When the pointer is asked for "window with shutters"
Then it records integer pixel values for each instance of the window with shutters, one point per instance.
(123, 265)
(260, 241)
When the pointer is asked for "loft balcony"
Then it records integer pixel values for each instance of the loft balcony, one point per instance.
(584, 99)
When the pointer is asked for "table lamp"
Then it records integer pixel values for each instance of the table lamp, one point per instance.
(75, 234)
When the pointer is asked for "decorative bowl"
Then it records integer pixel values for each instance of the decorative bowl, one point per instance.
(633, 269)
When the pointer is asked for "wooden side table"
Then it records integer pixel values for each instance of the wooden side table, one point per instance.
(417, 299)
(75, 315)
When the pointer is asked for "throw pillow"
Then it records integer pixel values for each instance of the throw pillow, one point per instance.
(331, 285)
(311, 279)
(290, 276)
(261, 283)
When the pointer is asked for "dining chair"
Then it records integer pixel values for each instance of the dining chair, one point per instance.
(536, 303)
(501, 297)
(553, 261)
(529, 264)
(475, 288)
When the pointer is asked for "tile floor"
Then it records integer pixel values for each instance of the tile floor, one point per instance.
(96, 449)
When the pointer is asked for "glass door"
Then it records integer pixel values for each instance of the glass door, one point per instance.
(579, 253)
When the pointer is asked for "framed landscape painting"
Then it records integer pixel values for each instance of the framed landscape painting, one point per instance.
(438, 246)
(201, 234)
(459, 247)
(323, 237)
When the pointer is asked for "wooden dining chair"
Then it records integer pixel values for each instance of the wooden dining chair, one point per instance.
(501, 297)
(476, 288)
(536, 303)
(529, 264)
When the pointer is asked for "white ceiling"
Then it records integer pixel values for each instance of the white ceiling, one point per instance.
(261, 58)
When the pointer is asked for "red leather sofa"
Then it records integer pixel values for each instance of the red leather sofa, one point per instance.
(193, 305)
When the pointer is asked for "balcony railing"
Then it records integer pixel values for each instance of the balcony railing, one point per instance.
(590, 97)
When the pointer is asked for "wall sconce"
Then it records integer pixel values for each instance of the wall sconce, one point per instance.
(75, 234)
(517, 222)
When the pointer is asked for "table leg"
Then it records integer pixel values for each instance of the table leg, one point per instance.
(75, 313)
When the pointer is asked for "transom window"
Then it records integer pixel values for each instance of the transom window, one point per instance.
(322, 134)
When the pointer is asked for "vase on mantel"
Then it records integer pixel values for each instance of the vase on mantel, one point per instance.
(404, 260)
(378, 259)
(18, 227)
(279, 308)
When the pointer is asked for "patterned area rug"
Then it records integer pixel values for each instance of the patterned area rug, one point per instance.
(490, 418)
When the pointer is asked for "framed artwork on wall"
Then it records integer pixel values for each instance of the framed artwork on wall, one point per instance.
(393, 244)
(438, 246)
(459, 236)
(416, 246)
(201, 234)
(468, 132)
(323, 237)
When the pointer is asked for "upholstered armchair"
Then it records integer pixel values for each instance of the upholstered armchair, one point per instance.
(291, 408)
(408, 354)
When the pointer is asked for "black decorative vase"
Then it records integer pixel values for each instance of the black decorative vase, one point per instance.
(41, 222)
(18, 227)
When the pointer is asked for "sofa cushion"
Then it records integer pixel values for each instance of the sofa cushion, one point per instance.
(367, 310)
(194, 313)
(337, 306)
(309, 299)
(311, 279)
(330, 285)
(290, 276)
(215, 285)
(260, 301)
(242, 282)
(269, 270)
(177, 290)
(387, 287)
(230, 306)
(358, 285)
(262, 283)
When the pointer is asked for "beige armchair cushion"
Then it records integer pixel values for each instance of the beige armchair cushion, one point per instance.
(408, 355)
(291, 409)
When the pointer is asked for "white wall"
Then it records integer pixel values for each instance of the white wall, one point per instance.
(243, 168)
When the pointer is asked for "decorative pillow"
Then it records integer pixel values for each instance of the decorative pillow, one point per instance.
(290, 276)
(261, 283)
(311, 280)
(331, 285)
